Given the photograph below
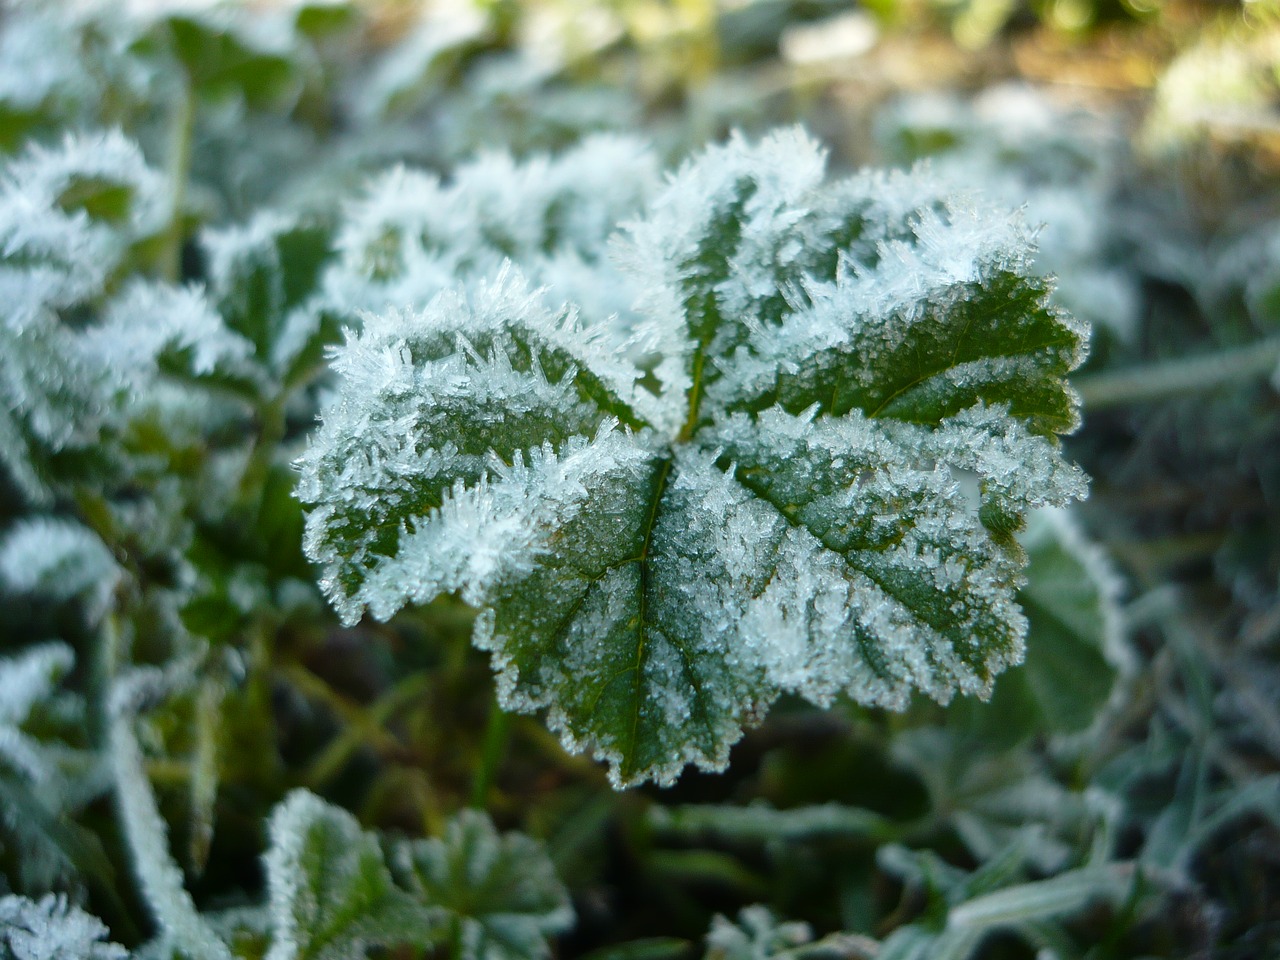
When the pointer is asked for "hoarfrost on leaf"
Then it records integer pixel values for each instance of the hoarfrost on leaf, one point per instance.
(412, 235)
(758, 935)
(52, 929)
(67, 216)
(330, 893)
(26, 680)
(500, 889)
(849, 401)
(55, 558)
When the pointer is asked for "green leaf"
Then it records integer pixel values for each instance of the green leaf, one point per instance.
(1066, 893)
(812, 488)
(220, 60)
(260, 275)
(331, 895)
(1076, 650)
(500, 892)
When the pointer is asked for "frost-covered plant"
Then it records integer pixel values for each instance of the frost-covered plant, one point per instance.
(850, 402)
(412, 235)
(80, 346)
(44, 780)
(52, 929)
(1020, 148)
(24, 681)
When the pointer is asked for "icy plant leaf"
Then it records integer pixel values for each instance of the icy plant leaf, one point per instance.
(25, 680)
(849, 402)
(966, 908)
(758, 935)
(52, 929)
(54, 558)
(412, 236)
(331, 895)
(75, 365)
(500, 890)
(1076, 649)
(260, 275)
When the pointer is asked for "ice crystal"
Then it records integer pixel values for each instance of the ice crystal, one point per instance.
(849, 404)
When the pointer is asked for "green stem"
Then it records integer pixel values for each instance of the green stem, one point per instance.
(267, 441)
(181, 134)
(495, 747)
(1181, 377)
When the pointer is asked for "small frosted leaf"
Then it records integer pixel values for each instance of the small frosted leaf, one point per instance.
(500, 889)
(758, 935)
(67, 217)
(26, 680)
(52, 929)
(1076, 647)
(148, 321)
(850, 399)
(262, 275)
(412, 235)
(55, 558)
(330, 894)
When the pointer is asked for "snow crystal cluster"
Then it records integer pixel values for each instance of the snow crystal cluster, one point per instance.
(796, 466)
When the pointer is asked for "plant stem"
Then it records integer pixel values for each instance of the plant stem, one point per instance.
(181, 134)
(266, 442)
(495, 746)
(1177, 378)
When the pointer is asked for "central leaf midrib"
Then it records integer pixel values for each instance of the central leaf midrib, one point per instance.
(660, 489)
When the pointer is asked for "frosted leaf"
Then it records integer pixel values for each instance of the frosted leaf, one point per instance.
(757, 822)
(263, 278)
(39, 62)
(329, 891)
(55, 558)
(1022, 149)
(149, 320)
(67, 216)
(758, 935)
(819, 494)
(967, 907)
(25, 680)
(500, 889)
(52, 929)
(413, 236)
